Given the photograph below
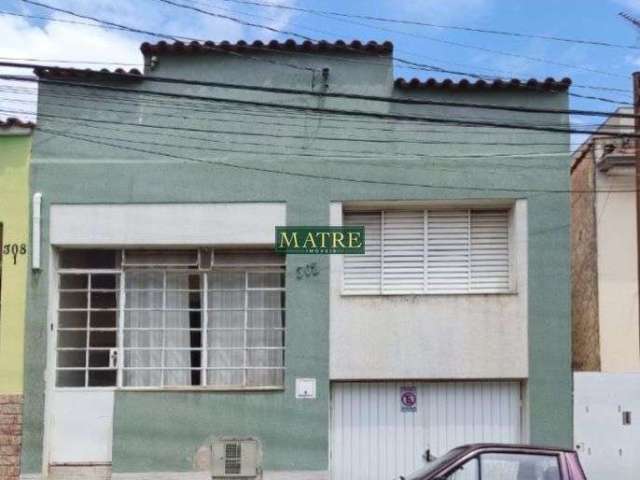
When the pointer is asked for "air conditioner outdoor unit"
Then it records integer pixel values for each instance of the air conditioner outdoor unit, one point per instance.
(235, 458)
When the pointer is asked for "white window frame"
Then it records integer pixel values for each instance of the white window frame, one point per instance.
(202, 269)
(512, 260)
(87, 349)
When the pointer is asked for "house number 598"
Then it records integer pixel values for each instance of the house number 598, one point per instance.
(309, 270)
(14, 249)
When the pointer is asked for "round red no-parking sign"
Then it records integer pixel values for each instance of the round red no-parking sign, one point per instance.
(408, 399)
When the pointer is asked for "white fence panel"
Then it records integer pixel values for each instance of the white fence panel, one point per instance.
(606, 418)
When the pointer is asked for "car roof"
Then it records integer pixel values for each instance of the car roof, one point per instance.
(514, 446)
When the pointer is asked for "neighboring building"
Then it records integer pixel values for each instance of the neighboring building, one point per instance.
(15, 148)
(606, 333)
(157, 311)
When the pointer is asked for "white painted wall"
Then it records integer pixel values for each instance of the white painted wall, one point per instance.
(166, 224)
(607, 448)
(617, 271)
(431, 336)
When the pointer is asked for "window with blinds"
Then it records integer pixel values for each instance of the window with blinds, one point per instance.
(430, 252)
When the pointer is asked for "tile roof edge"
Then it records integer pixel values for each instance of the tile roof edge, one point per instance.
(67, 72)
(357, 46)
(548, 84)
(13, 122)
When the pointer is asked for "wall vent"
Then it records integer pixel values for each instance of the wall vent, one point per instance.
(234, 458)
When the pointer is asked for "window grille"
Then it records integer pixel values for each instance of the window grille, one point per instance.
(161, 319)
(232, 458)
(430, 251)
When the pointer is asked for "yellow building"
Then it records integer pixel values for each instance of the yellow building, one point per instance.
(15, 148)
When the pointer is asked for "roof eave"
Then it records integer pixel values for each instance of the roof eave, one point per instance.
(290, 45)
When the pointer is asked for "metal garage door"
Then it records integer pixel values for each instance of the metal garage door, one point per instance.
(377, 436)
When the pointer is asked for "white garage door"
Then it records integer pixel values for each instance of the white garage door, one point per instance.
(377, 436)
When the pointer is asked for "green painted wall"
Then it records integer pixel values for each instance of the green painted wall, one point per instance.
(14, 215)
(160, 431)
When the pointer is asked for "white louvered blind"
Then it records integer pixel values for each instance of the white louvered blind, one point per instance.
(402, 251)
(447, 263)
(362, 273)
(489, 250)
(430, 251)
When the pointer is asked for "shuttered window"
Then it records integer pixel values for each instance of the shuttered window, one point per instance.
(430, 251)
(362, 273)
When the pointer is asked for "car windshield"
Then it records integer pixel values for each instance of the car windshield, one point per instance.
(432, 466)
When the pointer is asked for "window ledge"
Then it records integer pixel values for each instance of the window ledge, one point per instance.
(176, 389)
(433, 294)
(201, 389)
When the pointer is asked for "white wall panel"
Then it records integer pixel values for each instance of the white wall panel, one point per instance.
(166, 224)
(607, 447)
(372, 439)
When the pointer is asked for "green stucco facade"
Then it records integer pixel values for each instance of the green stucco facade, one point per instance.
(79, 160)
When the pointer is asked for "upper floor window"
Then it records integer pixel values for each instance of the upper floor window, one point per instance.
(181, 318)
(430, 251)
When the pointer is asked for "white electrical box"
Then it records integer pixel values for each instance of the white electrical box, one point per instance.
(306, 388)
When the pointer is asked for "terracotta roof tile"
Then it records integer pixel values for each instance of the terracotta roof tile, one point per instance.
(60, 72)
(385, 48)
(548, 84)
(13, 122)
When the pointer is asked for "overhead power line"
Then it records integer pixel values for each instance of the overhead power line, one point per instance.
(301, 36)
(434, 39)
(175, 38)
(403, 21)
(327, 153)
(57, 20)
(271, 134)
(334, 111)
(234, 19)
(290, 173)
(53, 60)
(600, 99)
(425, 161)
(351, 153)
(449, 42)
(407, 66)
(308, 122)
(351, 96)
(100, 20)
(119, 27)
(406, 63)
(197, 105)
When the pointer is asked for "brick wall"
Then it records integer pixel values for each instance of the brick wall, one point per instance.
(10, 436)
(584, 268)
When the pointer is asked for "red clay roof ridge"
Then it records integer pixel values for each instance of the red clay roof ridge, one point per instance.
(321, 46)
(548, 84)
(13, 122)
(68, 72)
